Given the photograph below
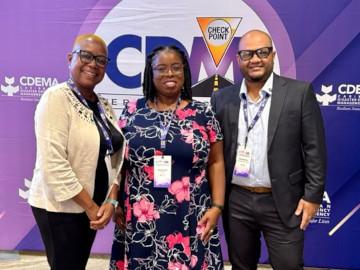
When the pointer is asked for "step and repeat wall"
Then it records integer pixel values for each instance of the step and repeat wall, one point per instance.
(316, 41)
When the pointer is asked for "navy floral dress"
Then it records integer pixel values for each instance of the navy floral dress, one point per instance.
(162, 230)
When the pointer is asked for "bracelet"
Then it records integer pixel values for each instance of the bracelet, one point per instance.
(115, 203)
(219, 206)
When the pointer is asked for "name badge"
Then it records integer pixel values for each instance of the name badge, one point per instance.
(162, 171)
(242, 165)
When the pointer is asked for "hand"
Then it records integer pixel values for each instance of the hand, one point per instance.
(119, 218)
(103, 216)
(92, 211)
(209, 220)
(308, 210)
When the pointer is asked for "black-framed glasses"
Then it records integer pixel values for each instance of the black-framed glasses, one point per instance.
(87, 57)
(176, 69)
(262, 53)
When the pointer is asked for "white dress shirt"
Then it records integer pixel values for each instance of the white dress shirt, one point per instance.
(257, 137)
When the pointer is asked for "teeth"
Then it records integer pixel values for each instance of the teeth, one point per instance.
(170, 84)
(90, 73)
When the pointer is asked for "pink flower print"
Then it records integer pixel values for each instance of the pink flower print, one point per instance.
(149, 170)
(144, 210)
(131, 105)
(188, 134)
(200, 177)
(177, 266)
(122, 122)
(120, 265)
(201, 129)
(195, 158)
(204, 266)
(193, 261)
(178, 238)
(212, 135)
(182, 114)
(181, 189)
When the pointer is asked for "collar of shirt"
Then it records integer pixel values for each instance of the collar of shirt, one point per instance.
(267, 88)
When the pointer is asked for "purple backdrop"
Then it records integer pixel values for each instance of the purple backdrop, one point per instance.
(324, 41)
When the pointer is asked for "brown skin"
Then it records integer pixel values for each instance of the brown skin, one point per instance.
(168, 86)
(216, 173)
(256, 71)
(86, 77)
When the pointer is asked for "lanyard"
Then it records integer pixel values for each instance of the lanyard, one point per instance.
(257, 116)
(104, 131)
(164, 127)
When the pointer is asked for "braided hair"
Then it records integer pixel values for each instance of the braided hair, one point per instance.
(149, 89)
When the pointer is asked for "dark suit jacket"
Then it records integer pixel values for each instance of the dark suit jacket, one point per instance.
(296, 143)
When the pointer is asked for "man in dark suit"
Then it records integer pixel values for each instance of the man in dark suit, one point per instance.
(275, 158)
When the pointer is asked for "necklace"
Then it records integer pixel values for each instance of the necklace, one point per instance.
(170, 108)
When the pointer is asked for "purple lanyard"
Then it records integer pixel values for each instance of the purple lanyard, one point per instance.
(257, 116)
(164, 127)
(110, 149)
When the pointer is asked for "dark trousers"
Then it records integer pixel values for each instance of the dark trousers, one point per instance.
(251, 214)
(67, 238)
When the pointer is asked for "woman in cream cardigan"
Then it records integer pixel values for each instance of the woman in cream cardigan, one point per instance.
(80, 151)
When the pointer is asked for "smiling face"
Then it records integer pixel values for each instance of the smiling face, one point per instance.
(87, 75)
(256, 69)
(168, 73)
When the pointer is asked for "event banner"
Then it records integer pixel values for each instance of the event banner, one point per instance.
(316, 41)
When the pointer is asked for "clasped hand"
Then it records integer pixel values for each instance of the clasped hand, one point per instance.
(100, 216)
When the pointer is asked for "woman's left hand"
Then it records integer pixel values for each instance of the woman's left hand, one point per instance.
(104, 215)
(209, 220)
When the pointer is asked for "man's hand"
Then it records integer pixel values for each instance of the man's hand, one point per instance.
(308, 210)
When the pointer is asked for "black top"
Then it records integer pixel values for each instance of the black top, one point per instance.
(101, 176)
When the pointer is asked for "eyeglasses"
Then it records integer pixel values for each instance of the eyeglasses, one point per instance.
(262, 53)
(176, 69)
(87, 57)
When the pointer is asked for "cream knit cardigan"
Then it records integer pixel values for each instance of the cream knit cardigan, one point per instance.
(68, 142)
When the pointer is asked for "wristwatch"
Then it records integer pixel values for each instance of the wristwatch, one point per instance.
(218, 206)
(115, 203)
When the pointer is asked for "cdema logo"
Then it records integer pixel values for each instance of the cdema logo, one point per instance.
(9, 88)
(344, 97)
(28, 88)
(326, 98)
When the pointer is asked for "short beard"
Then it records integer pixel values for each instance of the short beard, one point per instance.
(256, 80)
(259, 79)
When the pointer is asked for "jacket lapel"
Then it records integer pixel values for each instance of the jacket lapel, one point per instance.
(233, 111)
(279, 92)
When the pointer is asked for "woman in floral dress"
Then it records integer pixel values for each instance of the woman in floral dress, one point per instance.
(174, 174)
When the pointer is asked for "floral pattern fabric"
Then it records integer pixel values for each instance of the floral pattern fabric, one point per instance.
(162, 230)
